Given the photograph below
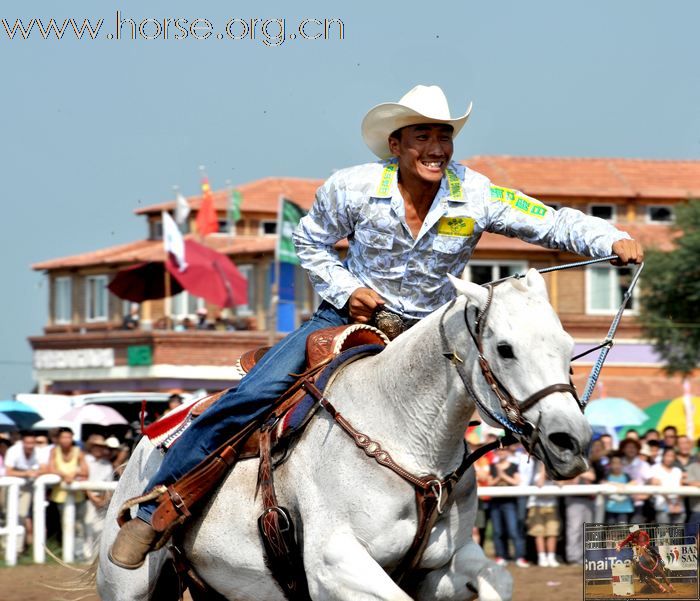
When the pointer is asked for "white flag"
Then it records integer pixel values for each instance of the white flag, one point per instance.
(173, 241)
(182, 209)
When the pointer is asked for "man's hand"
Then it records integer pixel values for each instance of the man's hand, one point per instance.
(629, 251)
(363, 303)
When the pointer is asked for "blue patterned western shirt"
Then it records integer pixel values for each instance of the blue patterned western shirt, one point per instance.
(364, 204)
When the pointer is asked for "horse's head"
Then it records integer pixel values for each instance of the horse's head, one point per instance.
(523, 376)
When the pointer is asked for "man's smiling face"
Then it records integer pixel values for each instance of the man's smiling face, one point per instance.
(424, 150)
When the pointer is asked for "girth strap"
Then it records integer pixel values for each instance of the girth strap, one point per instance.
(276, 528)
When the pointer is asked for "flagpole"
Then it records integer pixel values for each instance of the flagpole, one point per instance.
(274, 300)
(168, 293)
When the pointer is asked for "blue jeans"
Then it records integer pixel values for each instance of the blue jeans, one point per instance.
(504, 517)
(254, 396)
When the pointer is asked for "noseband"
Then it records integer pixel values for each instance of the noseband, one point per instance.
(512, 417)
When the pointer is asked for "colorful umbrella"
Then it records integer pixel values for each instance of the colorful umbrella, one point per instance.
(654, 413)
(674, 415)
(211, 275)
(6, 423)
(101, 415)
(613, 412)
(23, 415)
(144, 281)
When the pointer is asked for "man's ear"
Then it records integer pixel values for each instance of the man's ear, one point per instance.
(394, 146)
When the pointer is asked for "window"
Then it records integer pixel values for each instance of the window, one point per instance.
(62, 300)
(247, 271)
(606, 212)
(155, 230)
(605, 287)
(96, 298)
(659, 214)
(268, 228)
(185, 304)
(481, 272)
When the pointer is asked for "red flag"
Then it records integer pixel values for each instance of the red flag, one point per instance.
(207, 221)
(211, 275)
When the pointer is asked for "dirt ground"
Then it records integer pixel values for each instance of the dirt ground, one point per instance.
(56, 583)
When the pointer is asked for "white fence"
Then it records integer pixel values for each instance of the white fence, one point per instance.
(12, 531)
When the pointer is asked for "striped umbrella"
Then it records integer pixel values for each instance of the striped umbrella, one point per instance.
(654, 413)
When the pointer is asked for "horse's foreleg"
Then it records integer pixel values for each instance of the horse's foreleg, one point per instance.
(467, 575)
(341, 569)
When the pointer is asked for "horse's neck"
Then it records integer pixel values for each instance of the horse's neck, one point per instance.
(417, 401)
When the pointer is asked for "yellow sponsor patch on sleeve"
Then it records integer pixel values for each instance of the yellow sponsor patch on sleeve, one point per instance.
(456, 226)
(519, 202)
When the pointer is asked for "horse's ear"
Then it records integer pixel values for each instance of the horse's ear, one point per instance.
(473, 291)
(536, 283)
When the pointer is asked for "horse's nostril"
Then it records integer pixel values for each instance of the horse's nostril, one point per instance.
(564, 441)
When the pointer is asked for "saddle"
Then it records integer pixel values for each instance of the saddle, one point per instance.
(175, 504)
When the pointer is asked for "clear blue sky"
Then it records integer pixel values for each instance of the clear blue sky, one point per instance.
(94, 129)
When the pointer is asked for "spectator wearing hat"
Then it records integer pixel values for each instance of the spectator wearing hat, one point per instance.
(100, 469)
(202, 323)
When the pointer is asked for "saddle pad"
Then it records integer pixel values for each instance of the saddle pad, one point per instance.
(166, 430)
(294, 420)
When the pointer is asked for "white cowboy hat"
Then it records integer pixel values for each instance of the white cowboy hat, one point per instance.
(634, 528)
(423, 104)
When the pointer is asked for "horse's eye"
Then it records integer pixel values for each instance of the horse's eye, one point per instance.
(505, 350)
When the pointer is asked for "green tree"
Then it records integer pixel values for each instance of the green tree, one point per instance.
(670, 301)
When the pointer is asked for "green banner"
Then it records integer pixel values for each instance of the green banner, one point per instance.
(290, 215)
(234, 206)
(139, 355)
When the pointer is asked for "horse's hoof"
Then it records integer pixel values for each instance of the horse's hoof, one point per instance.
(134, 541)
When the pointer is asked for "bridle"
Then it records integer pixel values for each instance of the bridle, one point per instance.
(511, 418)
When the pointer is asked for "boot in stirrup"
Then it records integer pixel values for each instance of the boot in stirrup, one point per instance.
(135, 540)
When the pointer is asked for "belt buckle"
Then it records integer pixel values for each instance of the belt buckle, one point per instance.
(392, 324)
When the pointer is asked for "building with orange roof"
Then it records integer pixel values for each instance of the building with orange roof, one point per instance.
(83, 347)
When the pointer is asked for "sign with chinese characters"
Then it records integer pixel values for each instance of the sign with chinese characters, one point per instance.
(74, 358)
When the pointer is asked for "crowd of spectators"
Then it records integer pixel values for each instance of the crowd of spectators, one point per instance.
(31, 454)
(548, 529)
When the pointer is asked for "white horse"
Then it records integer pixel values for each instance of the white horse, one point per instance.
(355, 518)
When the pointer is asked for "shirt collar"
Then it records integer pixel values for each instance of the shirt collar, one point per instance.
(450, 186)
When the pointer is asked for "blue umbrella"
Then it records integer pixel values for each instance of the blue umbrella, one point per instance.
(22, 414)
(613, 412)
(6, 423)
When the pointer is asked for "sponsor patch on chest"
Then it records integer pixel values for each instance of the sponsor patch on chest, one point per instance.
(456, 226)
